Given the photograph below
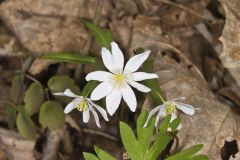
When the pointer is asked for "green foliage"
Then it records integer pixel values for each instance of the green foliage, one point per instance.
(51, 115)
(59, 84)
(25, 125)
(144, 146)
(11, 113)
(189, 154)
(17, 87)
(102, 154)
(89, 156)
(140, 148)
(70, 58)
(88, 88)
(33, 98)
(156, 93)
(103, 37)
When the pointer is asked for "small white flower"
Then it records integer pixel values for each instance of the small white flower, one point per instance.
(84, 105)
(170, 108)
(115, 84)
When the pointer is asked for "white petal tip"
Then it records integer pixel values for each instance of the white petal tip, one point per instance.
(145, 125)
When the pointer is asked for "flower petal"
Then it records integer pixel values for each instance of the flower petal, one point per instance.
(95, 115)
(108, 60)
(69, 107)
(59, 94)
(86, 116)
(173, 116)
(161, 114)
(100, 109)
(151, 113)
(186, 108)
(139, 76)
(139, 86)
(129, 97)
(102, 90)
(117, 56)
(69, 93)
(113, 101)
(99, 76)
(136, 61)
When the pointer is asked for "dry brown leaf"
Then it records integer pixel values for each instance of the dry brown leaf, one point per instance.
(178, 77)
(230, 56)
(15, 146)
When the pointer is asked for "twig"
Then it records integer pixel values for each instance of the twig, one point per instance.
(7, 102)
(99, 133)
(184, 8)
(80, 67)
(53, 142)
(177, 144)
(32, 79)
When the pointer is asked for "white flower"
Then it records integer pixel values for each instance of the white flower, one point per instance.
(84, 105)
(170, 108)
(115, 84)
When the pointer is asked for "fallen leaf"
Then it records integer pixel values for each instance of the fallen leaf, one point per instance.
(230, 55)
(178, 77)
(15, 147)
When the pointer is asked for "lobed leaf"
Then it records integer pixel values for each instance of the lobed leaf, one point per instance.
(89, 156)
(25, 125)
(11, 112)
(103, 155)
(187, 153)
(129, 141)
(59, 84)
(51, 115)
(33, 98)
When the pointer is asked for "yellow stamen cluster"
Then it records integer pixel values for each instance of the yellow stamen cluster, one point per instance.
(119, 79)
(170, 108)
(82, 106)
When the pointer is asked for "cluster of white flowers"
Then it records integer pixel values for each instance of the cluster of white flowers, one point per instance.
(116, 84)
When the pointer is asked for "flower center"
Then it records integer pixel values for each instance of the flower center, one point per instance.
(82, 106)
(119, 79)
(170, 108)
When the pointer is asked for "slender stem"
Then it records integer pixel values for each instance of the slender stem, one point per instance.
(80, 67)
(185, 9)
(32, 79)
(99, 133)
(7, 102)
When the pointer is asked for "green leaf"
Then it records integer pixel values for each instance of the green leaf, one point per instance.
(175, 123)
(199, 157)
(144, 134)
(17, 87)
(103, 38)
(186, 153)
(33, 99)
(89, 156)
(156, 93)
(165, 124)
(161, 141)
(59, 84)
(25, 125)
(102, 154)
(129, 141)
(70, 58)
(88, 88)
(51, 115)
(11, 113)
